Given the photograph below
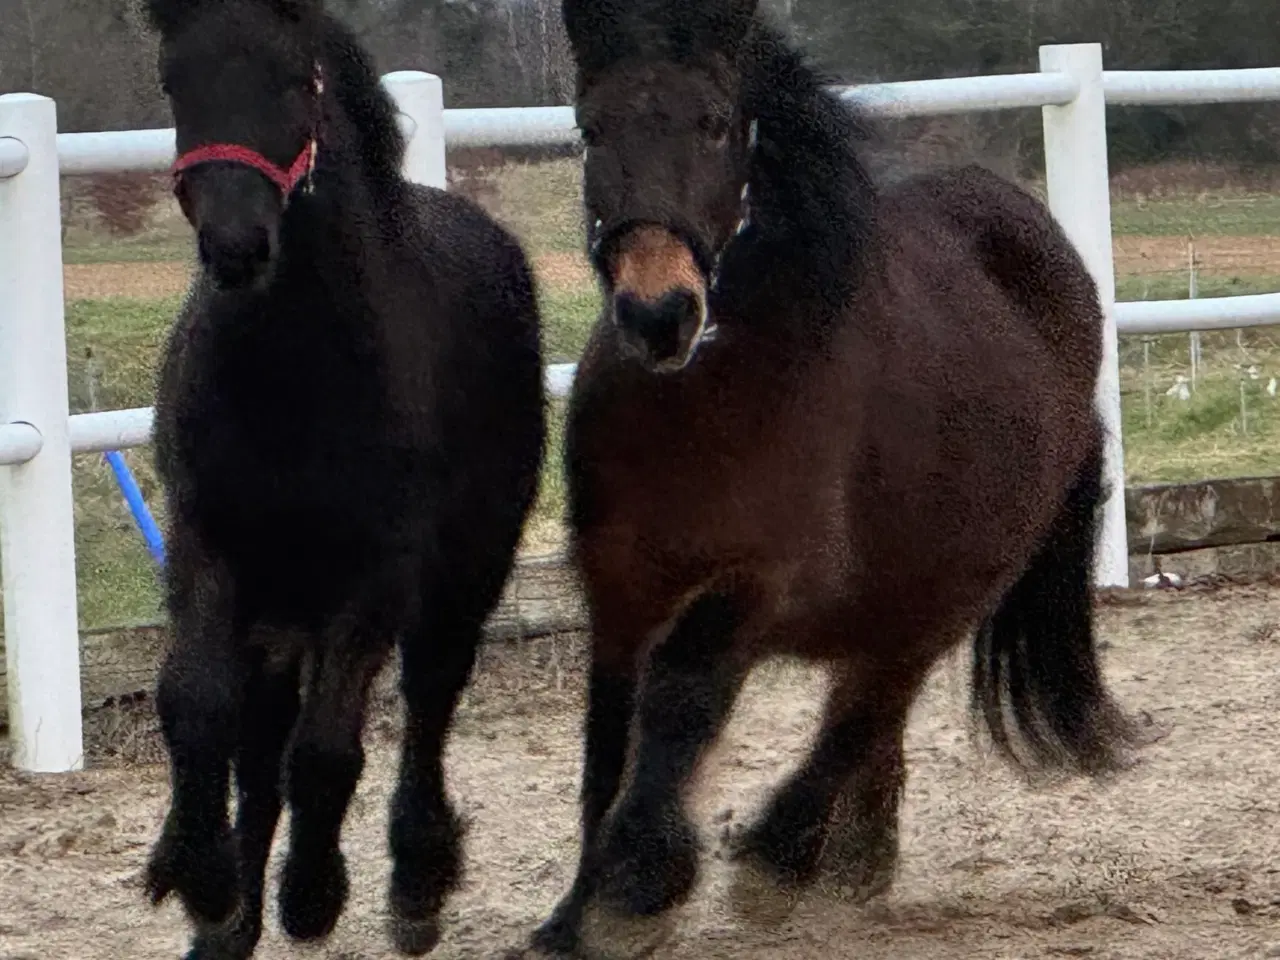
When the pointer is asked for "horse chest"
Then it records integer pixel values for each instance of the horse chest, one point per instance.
(742, 492)
(258, 428)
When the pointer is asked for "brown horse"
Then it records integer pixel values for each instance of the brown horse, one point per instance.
(816, 418)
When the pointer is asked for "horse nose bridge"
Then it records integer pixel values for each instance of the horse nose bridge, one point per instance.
(227, 194)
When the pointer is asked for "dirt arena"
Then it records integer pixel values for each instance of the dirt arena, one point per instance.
(1177, 858)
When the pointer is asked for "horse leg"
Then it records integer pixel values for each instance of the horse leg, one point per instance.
(646, 858)
(837, 816)
(323, 767)
(425, 832)
(198, 697)
(269, 712)
(611, 693)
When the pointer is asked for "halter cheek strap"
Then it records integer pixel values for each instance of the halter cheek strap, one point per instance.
(286, 179)
(744, 205)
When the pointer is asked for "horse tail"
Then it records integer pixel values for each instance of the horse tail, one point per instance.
(1036, 656)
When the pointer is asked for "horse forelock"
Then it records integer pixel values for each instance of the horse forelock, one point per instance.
(349, 71)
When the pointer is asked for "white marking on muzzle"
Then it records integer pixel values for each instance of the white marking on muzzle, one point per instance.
(706, 332)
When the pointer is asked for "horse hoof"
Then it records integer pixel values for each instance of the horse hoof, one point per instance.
(608, 934)
(554, 938)
(647, 862)
(757, 895)
(202, 875)
(312, 896)
(531, 951)
(854, 890)
(415, 937)
(234, 939)
(858, 864)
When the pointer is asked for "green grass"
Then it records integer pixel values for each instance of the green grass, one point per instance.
(540, 204)
(1214, 432)
(567, 318)
(1235, 216)
(1165, 438)
(112, 350)
(1163, 286)
(150, 247)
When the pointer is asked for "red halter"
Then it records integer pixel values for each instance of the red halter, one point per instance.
(285, 179)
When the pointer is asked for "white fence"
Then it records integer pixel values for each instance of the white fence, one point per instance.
(37, 437)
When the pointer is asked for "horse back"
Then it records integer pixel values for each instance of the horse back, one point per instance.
(976, 338)
(1019, 246)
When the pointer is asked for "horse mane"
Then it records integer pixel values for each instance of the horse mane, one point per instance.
(364, 100)
(812, 197)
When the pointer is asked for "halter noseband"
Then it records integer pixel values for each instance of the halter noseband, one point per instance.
(744, 208)
(286, 179)
(744, 213)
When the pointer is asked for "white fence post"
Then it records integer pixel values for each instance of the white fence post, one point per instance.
(1079, 187)
(37, 543)
(420, 97)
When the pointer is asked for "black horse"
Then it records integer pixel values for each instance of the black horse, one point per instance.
(349, 428)
(820, 418)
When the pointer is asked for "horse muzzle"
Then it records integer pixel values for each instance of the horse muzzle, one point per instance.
(659, 296)
(236, 258)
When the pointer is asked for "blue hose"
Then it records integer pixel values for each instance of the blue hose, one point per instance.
(137, 506)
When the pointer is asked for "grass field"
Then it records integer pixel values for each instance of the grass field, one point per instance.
(122, 294)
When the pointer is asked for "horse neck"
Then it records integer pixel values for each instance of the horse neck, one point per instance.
(812, 210)
(347, 213)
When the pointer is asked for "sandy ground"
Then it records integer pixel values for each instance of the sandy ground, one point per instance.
(1134, 255)
(1174, 859)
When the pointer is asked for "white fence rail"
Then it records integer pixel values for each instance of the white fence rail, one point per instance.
(37, 437)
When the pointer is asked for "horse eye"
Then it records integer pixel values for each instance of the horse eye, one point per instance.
(715, 127)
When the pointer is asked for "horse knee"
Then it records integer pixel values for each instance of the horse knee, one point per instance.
(321, 772)
(197, 703)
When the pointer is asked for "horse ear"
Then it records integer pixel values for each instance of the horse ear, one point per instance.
(729, 21)
(299, 10)
(596, 30)
(167, 15)
(602, 31)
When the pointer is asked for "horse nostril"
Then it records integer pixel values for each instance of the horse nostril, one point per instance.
(235, 255)
(664, 325)
(262, 247)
